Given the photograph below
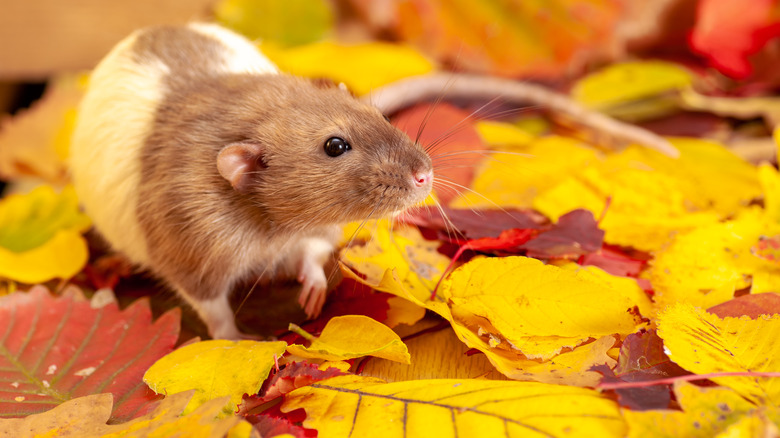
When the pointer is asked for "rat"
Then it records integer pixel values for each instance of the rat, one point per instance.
(204, 165)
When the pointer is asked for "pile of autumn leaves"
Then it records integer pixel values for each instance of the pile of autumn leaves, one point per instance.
(547, 322)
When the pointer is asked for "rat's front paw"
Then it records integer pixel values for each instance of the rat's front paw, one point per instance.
(314, 286)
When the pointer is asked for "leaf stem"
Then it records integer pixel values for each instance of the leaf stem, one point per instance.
(686, 378)
(301, 332)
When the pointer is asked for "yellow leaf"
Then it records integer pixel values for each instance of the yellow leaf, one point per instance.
(350, 336)
(702, 343)
(40, 235)
(705, 413)
(35, 142)
(362, 67)
(754, 424)
(770, 182)
(620, 84)
(402, 254)
(742, 107)
(402, 311)
(355, 406)
(509, 351)
(521, 299)
(171, 419)
(78, 416)
(511, 180)
(501, 133)
(654, 196)
(568, 368)
(214, 369)
(288, 23)
(86, 417)
(438, 354)
(706, 265)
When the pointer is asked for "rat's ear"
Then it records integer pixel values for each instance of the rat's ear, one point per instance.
(237, 162)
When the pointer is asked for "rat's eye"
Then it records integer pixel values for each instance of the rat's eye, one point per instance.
(386, 118)
(336, 146)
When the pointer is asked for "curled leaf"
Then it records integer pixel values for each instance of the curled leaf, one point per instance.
(539, 309)
(351, 336)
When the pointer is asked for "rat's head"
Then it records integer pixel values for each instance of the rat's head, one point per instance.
(319, 156)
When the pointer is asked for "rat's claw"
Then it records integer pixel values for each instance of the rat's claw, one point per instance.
(314, 286)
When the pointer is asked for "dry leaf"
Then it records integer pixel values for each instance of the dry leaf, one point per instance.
(705, 413)
(539, 309)
(705, 266)
(702, 343)
(35, 142)
(350, 336)
(215, 369)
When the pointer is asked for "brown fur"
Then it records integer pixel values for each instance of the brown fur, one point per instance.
(202, 234)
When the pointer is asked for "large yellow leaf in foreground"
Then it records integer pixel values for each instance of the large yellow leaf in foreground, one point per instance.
(351, 406)
(351, 336)
(705, 413)
(40, 235)
(705, 266)
(540, 309)
(215, 369)
(702, 343)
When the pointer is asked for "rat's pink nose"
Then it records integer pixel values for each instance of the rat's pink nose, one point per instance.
(422, 178)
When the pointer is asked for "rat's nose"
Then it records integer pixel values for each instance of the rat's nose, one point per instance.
(423, 178)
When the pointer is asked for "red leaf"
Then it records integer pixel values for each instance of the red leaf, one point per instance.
(269, 426)
(507, 240)
(642, 358)
(451, 139)
(293, 376)
(576, 234)
(751, 305)
(767, 248)
(728, 32)
(616, 262)
(53, 349)
(349, 298)
(473, 224)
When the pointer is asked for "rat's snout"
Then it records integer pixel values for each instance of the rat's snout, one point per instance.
(422, 178)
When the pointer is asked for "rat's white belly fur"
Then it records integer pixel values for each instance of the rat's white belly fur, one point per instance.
(115, 117)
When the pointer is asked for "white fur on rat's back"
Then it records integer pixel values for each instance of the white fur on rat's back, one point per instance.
(106, 155)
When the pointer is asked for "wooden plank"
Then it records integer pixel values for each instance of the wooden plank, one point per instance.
(43, 37)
